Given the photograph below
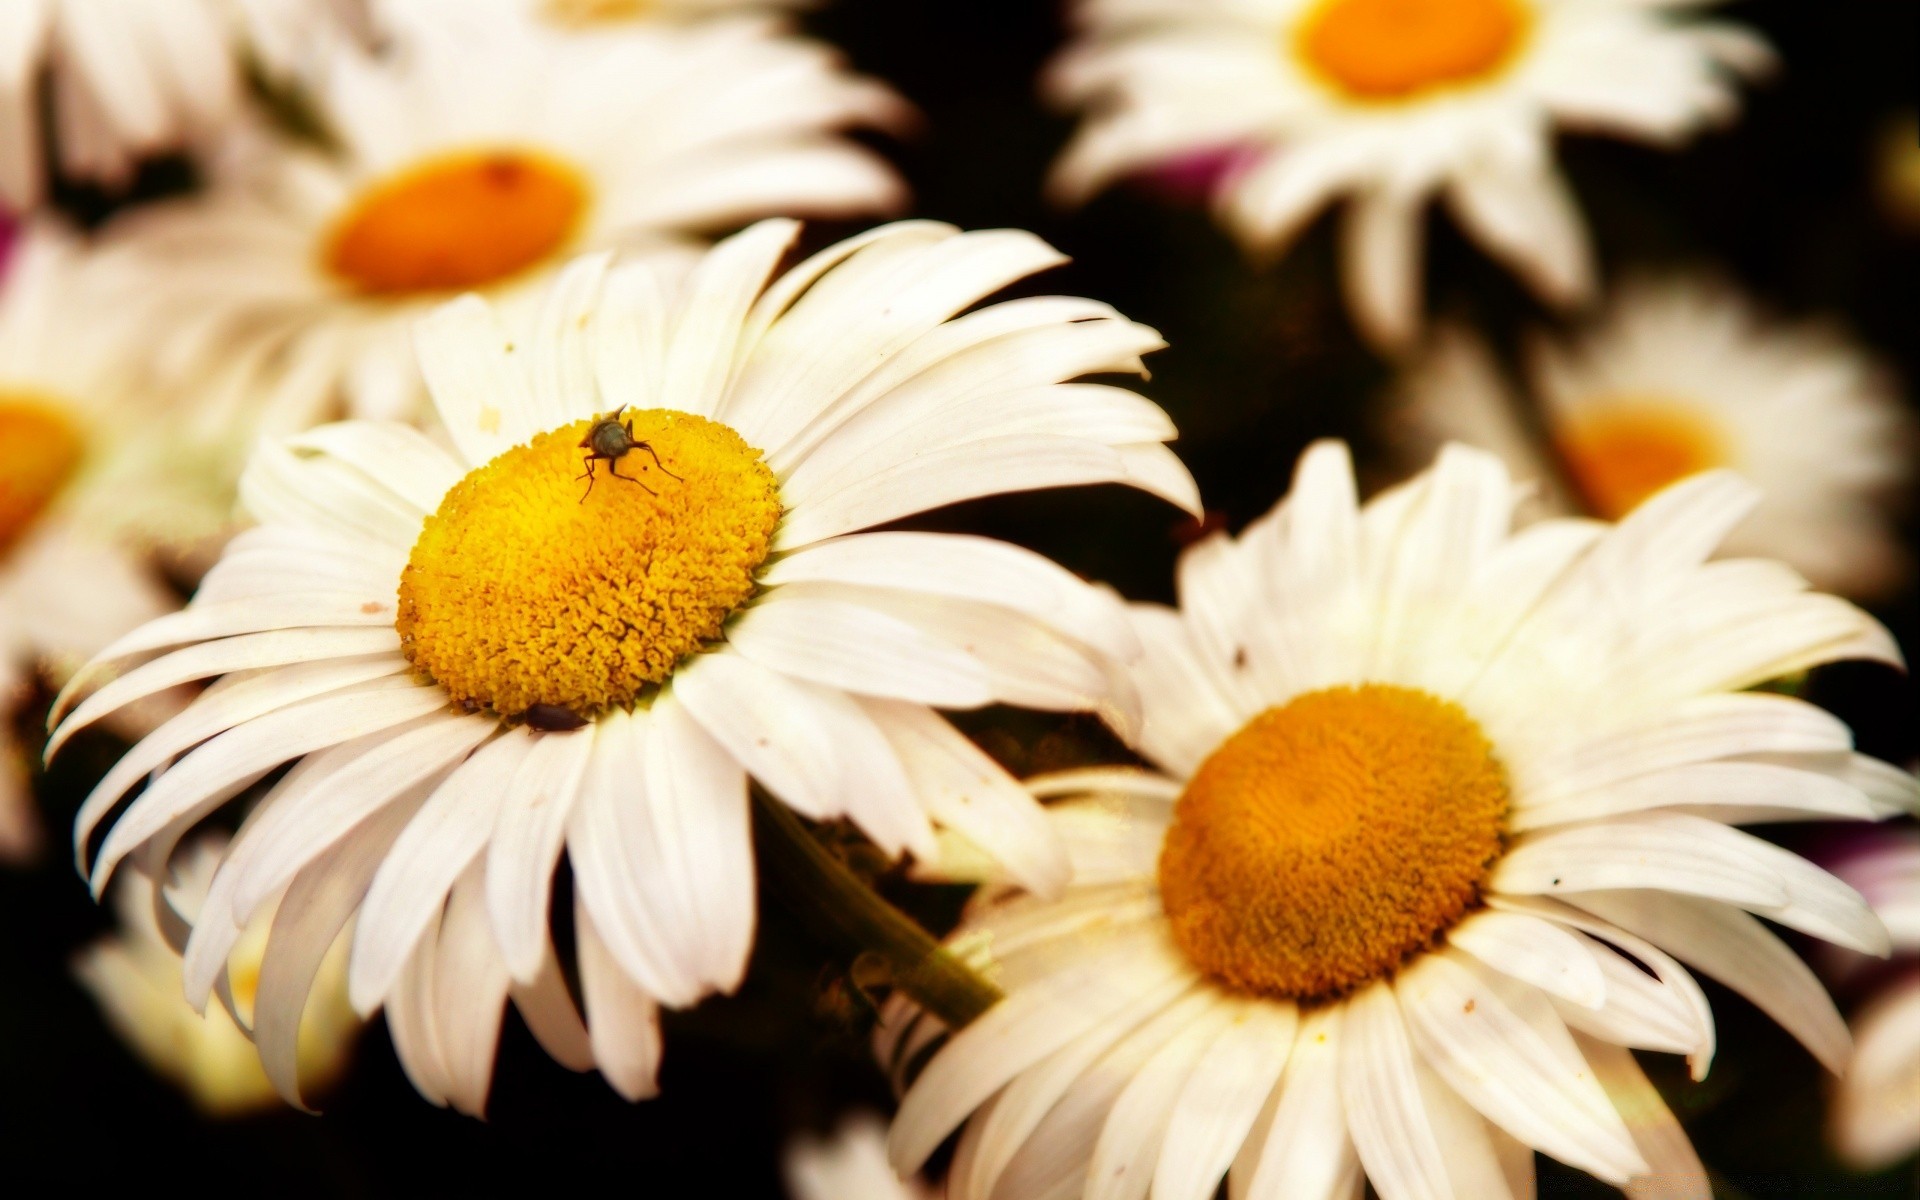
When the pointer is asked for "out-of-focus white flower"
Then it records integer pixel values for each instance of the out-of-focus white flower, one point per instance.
(595, 653)
(1387, 104)
(849, 1165)
(130, 78)
(90, 483)
(1437, 812)
(1875, 1119)
(135, 976)
(475, 158)
(1684, 375)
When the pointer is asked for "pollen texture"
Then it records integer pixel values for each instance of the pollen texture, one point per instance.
(455, 222)
(519, 592)
(1386, 50)
(1618, 454)
(1330, 839)
(39, 449)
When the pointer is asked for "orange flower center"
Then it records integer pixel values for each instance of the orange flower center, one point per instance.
(460, 221)
(1622, 452)
(39, 451)
(1398, 49)
(1331, 838)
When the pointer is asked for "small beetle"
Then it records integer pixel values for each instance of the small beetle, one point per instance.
(610, 439)
(552, 718)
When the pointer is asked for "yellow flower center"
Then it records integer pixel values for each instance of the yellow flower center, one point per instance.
(39, 451)
(1331, 838)
(533, 585)
(460, 221)
(591, 12)
(1382, 50)
(1620, 453)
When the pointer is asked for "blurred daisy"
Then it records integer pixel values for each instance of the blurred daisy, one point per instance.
(135, 977)
(1389, 103)
(1436, 808)
(127, 78)
(1875, 1120)
(85, 483)
(849, 1165)
(1683, 376)
(476, 158)
(595, 653)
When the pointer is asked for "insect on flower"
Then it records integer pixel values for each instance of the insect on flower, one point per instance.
(611, 439)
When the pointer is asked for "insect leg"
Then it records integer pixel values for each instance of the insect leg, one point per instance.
(613, 468)
(656, 459)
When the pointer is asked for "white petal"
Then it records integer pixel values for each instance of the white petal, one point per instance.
(1532, 950)
(963, 567)
(1124, 1158)
(312, 913)
(1307, 1154)
(1675, 853)
(622, 1020)
(843, 644)
(478, 376)
(195, 784)
(1732, 947)
(1221, 1098)
(1505, 1052)
(967, 791)
(524, 845)
(470, 994)
(436, 847)
(1380, 1094)
(1020, 1030)
(1381, 266)
(1673, 1169)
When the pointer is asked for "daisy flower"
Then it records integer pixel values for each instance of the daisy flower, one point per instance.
(1437, 811)
(638, 579)
(86, 482)
(1875, 1119)
(1684, 375)
(851, 1164)
(127, 78)
(475, 158)
(134, 975)
(1390, 103)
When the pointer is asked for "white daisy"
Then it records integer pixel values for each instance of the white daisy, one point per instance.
(478, 158)
(704, 602)
(135, 977)
(128, 78)
(1389, 103)
(87, 481)
(1685, 375)
(1875, 1119)
(850, 1164)
(1436, 807)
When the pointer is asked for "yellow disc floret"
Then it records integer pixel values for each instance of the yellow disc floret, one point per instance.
(594, 12)
(459, 221)
(1385, 50)
(1620, 452)
(39, 450)
(526, 589)
(1331, 838)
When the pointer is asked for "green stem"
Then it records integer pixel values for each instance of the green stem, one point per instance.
(831, 899)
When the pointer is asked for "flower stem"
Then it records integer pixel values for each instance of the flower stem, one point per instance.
(838, 906)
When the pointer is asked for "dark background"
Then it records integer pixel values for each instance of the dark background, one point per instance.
(1261, 362)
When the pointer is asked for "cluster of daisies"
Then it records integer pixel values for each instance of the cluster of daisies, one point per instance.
(540, 508)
